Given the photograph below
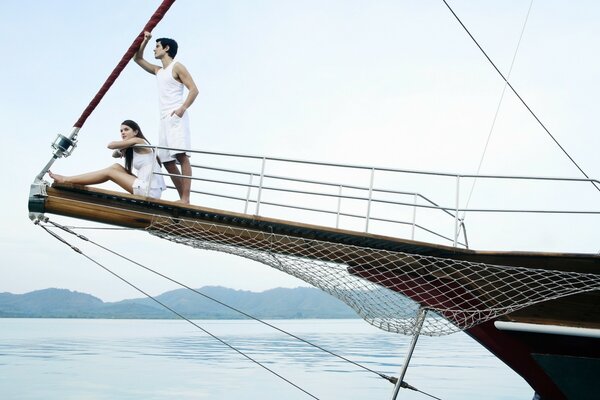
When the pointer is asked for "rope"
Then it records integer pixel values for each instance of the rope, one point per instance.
(487, 142)
(169, 308)
(519, 97)
(154, 20)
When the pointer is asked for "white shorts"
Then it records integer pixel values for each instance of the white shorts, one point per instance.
(174, 132)
(140, 188)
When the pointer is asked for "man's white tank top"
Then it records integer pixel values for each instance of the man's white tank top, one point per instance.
(170, 91)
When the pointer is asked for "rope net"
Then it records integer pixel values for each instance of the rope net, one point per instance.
(387, 288)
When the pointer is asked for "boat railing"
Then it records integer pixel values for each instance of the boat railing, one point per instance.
(352, 197)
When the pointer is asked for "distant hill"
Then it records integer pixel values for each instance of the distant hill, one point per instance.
(280, 303)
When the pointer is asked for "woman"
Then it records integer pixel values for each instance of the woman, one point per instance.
(146, 183)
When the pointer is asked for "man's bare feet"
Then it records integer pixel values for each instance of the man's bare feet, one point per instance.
(181, 201)
(57, 178)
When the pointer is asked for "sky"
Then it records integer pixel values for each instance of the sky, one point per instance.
(394, 84)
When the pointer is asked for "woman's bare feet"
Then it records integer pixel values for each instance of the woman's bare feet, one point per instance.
(57, 178)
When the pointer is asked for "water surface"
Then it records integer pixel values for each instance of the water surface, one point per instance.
(171, 359)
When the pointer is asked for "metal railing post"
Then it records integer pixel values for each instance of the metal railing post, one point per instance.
(414, 219)
(339, 207)
(260, 184)
(456, 211)
(248, 194)
(269, 182)
(370, 198)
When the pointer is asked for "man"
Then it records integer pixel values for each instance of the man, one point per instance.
(174, 120)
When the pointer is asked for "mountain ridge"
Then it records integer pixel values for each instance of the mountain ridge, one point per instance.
(277, 303)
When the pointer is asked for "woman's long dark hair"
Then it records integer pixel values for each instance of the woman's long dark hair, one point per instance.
(129, 151)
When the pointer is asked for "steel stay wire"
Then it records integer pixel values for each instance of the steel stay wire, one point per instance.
(77, 250)
(67, 229)
(519, 96)
(487, 142)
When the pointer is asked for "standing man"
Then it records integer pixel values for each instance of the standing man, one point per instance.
(174, 120)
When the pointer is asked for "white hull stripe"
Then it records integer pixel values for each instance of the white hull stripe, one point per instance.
(547, 329)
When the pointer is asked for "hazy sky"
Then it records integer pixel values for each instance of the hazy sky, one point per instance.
(386, 83)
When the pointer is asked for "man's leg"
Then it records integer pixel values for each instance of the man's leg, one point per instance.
(171, 168)
(186, 170)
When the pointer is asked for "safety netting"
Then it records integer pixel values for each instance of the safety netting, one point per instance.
(388, 288)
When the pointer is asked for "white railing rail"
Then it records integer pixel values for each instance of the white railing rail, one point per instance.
(279, 188)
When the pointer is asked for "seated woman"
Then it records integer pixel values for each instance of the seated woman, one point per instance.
(146, 183)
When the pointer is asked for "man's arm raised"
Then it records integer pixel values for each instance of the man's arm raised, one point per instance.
(139, 56)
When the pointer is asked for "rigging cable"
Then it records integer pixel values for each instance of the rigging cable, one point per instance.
(391, 379)
(101, 228)
(520, 98)
(487, 142)
(65, 145)
(77, 250)
(151, 24)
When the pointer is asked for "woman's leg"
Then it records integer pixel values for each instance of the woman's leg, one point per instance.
(115, 173)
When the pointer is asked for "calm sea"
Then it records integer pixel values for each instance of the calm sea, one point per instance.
(160, 359)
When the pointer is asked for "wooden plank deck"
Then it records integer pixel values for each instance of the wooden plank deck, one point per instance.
(126, 210)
